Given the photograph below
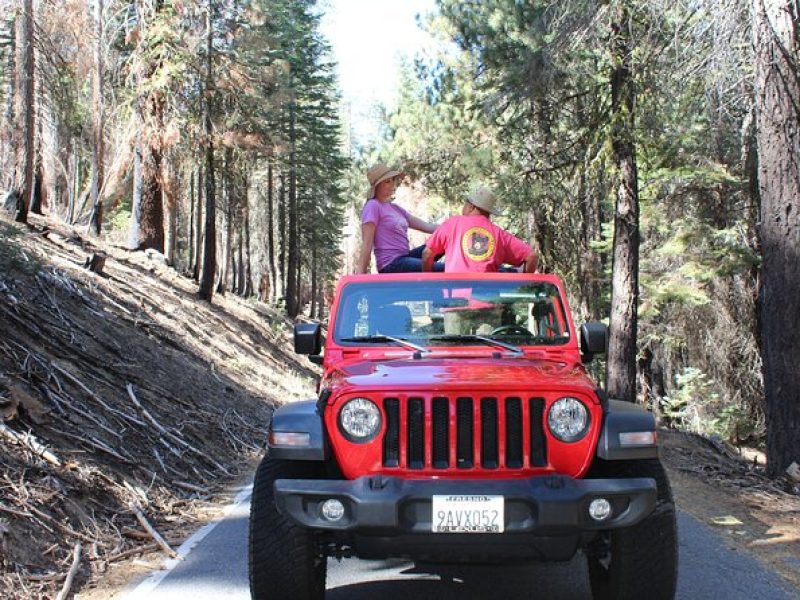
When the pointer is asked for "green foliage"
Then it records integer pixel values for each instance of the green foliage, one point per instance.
(119, 218)
(692, 395)
(696, 405)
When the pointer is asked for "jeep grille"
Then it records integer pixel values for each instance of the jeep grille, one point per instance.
(464, 432)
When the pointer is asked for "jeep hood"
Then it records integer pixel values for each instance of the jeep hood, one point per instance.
(441, 374)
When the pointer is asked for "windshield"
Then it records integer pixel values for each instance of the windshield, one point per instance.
(446, 313)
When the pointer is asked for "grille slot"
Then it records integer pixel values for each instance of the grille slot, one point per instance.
(514, 433)
(416, 433)
(441, 434)
(489, 433)
(464, 425)
(538, 440)
(391, 440)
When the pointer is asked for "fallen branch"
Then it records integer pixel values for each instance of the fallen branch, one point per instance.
(95, 397)
(168, 434)
(153, 533)
(76, 561)
(55, 523)
(191, 487)
(11, 511)
(45, 578)
(159, 427)
(95, 443)
(132, 551)
(135, 534)
(31, 443)
(89, 416)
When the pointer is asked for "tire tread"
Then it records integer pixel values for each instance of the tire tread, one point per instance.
(281, 554)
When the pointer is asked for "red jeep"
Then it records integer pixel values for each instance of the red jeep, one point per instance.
(456, 422)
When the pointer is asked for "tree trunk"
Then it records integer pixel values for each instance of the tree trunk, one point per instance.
(147, 225)
(292, 292)
(190, 225)
(55, 175)
(170, 195)
(279, 291)
(150, 220)
(206, 290)
(621, 368)
(313, 313)
(26, 110)
(198, 226)
(77, 175)
(248, 266)
(590, 263)
(775, 27)
(240, 263)
(136, 200)
(38, 196)
(227, 222)
(271, 230)
(8, 140)
(98, 122)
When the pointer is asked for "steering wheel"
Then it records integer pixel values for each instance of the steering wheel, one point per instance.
(510, 330)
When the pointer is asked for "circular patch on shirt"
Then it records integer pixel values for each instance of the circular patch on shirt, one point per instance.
(478, 243)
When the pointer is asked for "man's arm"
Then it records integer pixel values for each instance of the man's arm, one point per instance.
(427, 259)
(367, 242)
(531, 262)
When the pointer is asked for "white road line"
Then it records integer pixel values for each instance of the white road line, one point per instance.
(146, 587)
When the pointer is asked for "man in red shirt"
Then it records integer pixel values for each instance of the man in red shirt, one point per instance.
(472, 243)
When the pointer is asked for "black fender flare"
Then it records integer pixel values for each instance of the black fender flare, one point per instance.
(624, 417)
(299, 417)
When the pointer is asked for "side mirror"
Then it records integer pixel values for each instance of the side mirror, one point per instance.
(307, 338)
(594, 339)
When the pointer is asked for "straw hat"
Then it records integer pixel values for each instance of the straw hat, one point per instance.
(377, 173)
(484, 199)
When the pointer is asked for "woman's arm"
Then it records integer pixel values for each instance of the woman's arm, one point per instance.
(420, 225)
(367, 243)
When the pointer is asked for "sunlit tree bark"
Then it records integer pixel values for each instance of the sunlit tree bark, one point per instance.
(26, 110)
(775, 27)
(621, 374)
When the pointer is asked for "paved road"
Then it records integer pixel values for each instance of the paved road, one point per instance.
(216, 568)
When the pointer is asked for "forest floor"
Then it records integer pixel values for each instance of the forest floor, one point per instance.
(128, 404)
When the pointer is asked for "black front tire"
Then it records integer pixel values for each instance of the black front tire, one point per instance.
(284, 559)
(640, 561)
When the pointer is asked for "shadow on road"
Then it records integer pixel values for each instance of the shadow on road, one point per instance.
(556, 581)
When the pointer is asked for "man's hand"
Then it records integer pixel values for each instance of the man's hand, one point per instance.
(427, 259)
(531, 263)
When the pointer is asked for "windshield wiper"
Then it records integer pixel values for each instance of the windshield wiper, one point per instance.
(380, 339)
(478, 338)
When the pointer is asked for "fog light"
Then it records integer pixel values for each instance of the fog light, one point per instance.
(332, 510)
(600, 509)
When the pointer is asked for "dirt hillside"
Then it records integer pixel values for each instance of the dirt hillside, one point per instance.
(121, 393)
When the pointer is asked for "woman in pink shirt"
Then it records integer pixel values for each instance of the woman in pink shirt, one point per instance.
(384, 227)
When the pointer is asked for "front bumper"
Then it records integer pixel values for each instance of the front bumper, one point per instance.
(545, 505)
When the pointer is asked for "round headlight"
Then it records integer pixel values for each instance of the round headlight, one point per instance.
(360, 419)
(568, 419)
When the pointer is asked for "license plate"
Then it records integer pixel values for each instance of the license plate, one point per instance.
(468, 514)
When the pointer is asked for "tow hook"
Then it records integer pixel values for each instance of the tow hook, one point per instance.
(378, 482)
